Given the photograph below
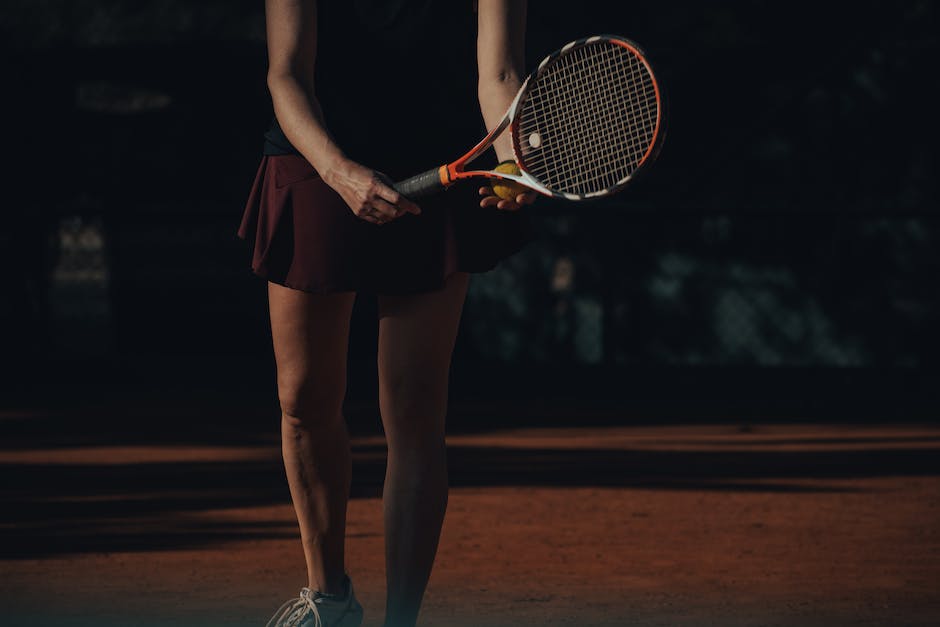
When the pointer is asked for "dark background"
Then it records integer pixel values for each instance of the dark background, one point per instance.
(781, 259)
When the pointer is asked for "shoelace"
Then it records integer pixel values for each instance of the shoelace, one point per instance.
(293, 612)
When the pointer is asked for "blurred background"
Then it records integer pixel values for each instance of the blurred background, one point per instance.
(780, 260)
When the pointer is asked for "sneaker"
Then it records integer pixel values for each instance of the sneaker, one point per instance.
(314, 609)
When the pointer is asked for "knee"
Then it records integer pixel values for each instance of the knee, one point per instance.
(414, 426)
(414, 394)
(309, 401)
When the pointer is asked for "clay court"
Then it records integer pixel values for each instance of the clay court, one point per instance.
(677, 525)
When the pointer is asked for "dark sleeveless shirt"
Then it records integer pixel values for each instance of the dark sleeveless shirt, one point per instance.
(397, 82)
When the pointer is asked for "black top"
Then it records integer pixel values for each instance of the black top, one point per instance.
(397, 82)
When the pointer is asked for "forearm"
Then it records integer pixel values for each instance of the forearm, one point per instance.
(301, 118)
(500, 58)
(496, 94)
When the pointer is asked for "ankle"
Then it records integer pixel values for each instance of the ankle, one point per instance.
(333, 588)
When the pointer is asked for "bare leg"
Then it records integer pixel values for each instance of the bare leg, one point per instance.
(311, 335)
(416, 339)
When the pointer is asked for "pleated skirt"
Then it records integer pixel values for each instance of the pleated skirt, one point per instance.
(302, 235)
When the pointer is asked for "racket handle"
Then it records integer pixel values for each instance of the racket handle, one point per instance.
(421, 185)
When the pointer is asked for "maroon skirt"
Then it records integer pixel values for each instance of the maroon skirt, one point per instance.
(304, 236)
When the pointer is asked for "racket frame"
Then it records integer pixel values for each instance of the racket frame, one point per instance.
(454, 171)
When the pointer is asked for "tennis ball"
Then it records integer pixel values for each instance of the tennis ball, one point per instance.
(508, 190)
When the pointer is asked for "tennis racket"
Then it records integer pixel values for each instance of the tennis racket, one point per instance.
(583, 124)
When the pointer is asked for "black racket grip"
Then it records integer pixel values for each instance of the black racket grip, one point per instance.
(421, 185)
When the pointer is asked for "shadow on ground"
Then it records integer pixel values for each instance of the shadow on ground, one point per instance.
(55, 505)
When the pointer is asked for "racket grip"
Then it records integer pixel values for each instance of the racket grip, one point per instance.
(421, 185)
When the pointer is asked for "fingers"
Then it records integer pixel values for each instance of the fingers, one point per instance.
(385, 209)
(377, 212)
(490, 199)
(408, 206)
(383, 191)
(382, 203)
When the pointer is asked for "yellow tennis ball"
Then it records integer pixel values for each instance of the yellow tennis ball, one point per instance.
(507, 190)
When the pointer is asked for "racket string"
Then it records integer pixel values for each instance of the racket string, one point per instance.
(595, 112)
(600, 125)
(597, 134)
(594, 133)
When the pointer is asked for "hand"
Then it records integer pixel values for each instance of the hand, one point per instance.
(368, 193)
(490, 199)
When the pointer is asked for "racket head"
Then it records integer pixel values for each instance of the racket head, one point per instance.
(588, 119)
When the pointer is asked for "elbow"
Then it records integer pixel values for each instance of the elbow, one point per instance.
(281, 80)
(505, 75)
(498, 82)
(275, 82)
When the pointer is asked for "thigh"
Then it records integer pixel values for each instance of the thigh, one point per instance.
(416, 339)
(311, 335)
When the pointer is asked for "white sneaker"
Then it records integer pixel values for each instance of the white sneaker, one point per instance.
(312, 609)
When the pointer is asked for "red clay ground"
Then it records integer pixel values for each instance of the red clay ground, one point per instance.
(674, 526)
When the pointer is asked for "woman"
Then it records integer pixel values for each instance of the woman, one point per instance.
(364, 89)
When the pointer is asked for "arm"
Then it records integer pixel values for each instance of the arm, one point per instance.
(292, 46)
(500, 59)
